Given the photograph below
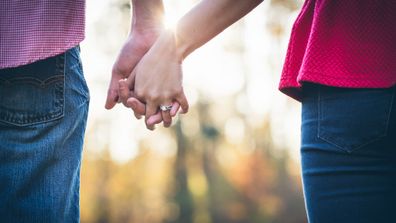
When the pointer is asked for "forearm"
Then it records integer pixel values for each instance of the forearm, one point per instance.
(206, 20)
(147, 15)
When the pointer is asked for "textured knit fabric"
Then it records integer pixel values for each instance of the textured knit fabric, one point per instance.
(35, 30)
(342, 43)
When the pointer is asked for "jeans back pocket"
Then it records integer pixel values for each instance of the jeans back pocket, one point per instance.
(352, 118)
(33, 93)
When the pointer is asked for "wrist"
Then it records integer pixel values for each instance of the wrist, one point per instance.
(148, 34)
(144, 26)
(173, 45)
(185, 42)
(147, 14)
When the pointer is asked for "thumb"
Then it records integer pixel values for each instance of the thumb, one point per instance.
(112, 92)
(128, 57)
(130, 81)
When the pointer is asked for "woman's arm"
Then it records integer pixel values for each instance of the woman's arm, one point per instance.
(206, 20)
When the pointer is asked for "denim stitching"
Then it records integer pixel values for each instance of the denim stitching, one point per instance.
(23, 119)
(75, 54)
(390, 110)
(31, 80)
(339, 147)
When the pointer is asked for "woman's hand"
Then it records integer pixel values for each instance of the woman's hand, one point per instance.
(157, 80)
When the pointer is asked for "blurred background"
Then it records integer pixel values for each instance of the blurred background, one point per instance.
(234, 158)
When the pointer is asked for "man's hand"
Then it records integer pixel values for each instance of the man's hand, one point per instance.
(145, 27)
(133, 50)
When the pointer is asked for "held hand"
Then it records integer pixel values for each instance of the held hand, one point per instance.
(158, 81)
(146, 25)
(124, 93)
(131, 53)
(139, 108)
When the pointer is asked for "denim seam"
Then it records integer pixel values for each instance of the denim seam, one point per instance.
(76, 56)
(63, 70)
(8, 118)
(79, 66)
(54, 115)
(390, 110)
(355, 149)
(32, 80)
(339, 147)
(319, 111)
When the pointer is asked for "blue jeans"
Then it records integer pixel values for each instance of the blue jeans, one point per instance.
(348, 153)
(43, 112)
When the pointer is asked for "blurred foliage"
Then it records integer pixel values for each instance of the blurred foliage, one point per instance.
(224, 169)
(208, 180)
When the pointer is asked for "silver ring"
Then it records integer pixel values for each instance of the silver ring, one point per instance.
(165, 107)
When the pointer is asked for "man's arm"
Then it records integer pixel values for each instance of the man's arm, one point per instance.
(146, 26)
(158, 77)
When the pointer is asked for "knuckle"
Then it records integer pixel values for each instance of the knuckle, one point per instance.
(155, 97)
(169, 96)
(178, 90)
(169, 93)
(139, 93)
(167, 118)
(166, 95)
(115, 71)
(123, 94)
(119, 70)
(151, 96)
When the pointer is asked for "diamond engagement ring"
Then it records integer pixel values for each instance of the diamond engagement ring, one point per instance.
(165, 107)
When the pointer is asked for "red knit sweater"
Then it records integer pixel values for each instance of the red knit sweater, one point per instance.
(342, 43)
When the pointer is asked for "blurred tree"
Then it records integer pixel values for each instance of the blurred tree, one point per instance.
(292, 5)
(209, 179)
(183, 197)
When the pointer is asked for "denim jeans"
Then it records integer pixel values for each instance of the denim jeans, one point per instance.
(43, 112)
(348, 153)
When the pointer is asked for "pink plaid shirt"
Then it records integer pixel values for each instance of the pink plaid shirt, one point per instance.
(35, 30)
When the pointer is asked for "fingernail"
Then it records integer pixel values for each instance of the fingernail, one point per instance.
(172, 113)
(132, 104)
(150, 122)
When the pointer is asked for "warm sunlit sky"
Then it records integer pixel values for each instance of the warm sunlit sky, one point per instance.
(216, 71)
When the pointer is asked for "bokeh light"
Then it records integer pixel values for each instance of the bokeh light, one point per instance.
(232, 158)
